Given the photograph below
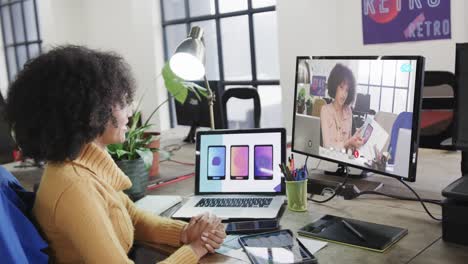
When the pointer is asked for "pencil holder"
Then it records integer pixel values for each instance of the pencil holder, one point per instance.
(296, 191)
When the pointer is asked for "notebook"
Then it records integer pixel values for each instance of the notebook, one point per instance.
(376, 237)
(157, 204)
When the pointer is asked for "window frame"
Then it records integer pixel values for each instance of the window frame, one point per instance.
(16, 45)
(380, 86)
(216, 17)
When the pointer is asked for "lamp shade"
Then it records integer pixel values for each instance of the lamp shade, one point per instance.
(189, 57)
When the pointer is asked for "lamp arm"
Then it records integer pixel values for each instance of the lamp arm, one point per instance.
(211, 98)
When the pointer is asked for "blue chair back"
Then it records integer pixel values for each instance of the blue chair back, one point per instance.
(20, 241)
(403, 120)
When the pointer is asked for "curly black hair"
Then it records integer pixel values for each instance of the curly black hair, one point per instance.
(338, 74)
(63, 99)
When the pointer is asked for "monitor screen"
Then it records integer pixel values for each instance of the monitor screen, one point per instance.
(240, 161)
(359, 111)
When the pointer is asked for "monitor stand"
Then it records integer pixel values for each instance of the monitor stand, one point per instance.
(341, 172)
(191, 135)
(317, 182)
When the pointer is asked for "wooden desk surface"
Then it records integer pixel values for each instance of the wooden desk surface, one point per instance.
(423, 244)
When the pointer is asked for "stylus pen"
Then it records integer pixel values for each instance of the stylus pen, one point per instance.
(353, 230)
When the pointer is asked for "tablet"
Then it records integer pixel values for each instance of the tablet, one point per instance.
(352, 232)
(275, 247)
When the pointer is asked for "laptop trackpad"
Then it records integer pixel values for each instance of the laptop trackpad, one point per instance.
(234, 213)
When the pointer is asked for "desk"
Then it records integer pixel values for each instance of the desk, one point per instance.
(423, 244)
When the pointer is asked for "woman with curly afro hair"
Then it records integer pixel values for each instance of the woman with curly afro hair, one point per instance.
(64, 108)
(336, 118)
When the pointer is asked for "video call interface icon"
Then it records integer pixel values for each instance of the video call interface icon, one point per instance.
(239, 162)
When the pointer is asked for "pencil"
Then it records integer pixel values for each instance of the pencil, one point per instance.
(287, 173)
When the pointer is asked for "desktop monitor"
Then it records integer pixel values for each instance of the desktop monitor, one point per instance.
(376, 133)
(461, 94)
(195, 111)
(461, 74)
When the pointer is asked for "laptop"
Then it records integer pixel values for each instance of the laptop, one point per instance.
(307, 134)
(237, 174)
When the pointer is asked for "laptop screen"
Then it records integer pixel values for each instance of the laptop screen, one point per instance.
(240, 161)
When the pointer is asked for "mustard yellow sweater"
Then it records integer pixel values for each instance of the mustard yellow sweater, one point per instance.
(87, 218)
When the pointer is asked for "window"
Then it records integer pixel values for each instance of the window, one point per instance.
(388, 86)
(20, 32)
(241, 45)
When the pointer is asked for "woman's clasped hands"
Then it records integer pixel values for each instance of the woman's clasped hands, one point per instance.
(204, 233)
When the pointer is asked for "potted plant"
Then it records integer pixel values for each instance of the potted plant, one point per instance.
(309, 105)
(301, 101)
(135, 155)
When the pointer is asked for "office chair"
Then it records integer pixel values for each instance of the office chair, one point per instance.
(20, 238)
(317, 107)
(7, 144)
(437, 111)
(386, 121)
(242, 93)
(403, 120)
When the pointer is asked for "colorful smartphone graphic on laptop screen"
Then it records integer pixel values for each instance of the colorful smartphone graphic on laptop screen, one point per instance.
(263, 162)
(241, 148)
(239, 162)
(216, 163)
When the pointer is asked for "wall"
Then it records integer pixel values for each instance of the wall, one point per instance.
(333, 27)
(130, 28)
(61, 22)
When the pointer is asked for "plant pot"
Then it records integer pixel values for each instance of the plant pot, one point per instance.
(156, 143)
(300, 108)
(310, 110)
(138, 174)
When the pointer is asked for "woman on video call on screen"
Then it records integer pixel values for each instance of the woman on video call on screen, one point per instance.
(336, 118)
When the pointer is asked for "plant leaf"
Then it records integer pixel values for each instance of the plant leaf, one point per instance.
(191, 87)
(146, 141)
(194, 91)
(147, 156)
(121, 153)
(112, 148)
(197, 89)
(154, 149)
(135, 117)
(174, 84)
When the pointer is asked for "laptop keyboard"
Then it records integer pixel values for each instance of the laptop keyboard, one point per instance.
(234, 202)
